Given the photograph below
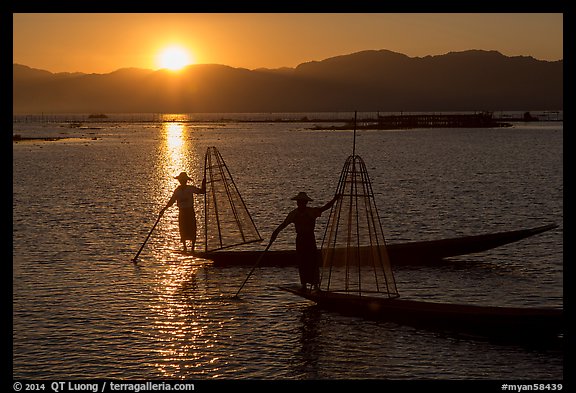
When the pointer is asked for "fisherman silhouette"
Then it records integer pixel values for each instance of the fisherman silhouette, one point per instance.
(304, 220)
(183, 195)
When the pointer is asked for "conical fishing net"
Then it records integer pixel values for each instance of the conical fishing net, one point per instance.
(354, 255)
(227, 220)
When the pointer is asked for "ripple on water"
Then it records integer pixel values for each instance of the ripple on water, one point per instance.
(82, 309)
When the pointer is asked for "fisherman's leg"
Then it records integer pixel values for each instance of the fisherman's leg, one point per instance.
(310, 270)
(194, 236)
(193, 244)
(302, 275)
(300, 256)
(183, 241)
(316, 263)
(182, 228)
(306, 274)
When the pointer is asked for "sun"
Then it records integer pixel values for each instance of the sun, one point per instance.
(174, 58)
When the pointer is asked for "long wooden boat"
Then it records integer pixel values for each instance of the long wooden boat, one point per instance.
(488, 321)
(420, 252)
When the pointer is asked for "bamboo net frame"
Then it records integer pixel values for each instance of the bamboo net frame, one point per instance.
(227, 222)
(354, 255)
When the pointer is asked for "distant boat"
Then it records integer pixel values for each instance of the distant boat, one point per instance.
(97, 116)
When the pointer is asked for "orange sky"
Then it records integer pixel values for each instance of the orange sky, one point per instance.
(102, 43)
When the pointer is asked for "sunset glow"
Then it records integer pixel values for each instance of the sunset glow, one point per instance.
(103, 43)
(174, 58)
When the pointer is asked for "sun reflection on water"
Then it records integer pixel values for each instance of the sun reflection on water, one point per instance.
(179, 153)
(182, 321)
(180, 318)
(175, 147)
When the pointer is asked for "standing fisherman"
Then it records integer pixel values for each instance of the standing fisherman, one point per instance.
(184, 196)
(304, 220)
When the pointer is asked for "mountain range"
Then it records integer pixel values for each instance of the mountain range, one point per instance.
(372, 80)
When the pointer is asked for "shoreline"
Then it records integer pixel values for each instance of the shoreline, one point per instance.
(17, 138)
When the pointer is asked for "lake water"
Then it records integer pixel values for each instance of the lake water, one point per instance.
(83, 206)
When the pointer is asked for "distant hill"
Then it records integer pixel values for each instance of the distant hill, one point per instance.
(367, 81)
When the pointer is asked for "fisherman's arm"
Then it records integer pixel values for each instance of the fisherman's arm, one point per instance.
(277, 231)
(329, 204)
(289, 219)
(202, 189)
(170, 203)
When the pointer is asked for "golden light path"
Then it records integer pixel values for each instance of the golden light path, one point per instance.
(180, 285)
(174, 143)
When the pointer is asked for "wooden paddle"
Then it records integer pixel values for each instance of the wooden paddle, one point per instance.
(147, 237)
(252, 271)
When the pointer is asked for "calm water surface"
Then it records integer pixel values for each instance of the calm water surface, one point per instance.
(83, 206)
